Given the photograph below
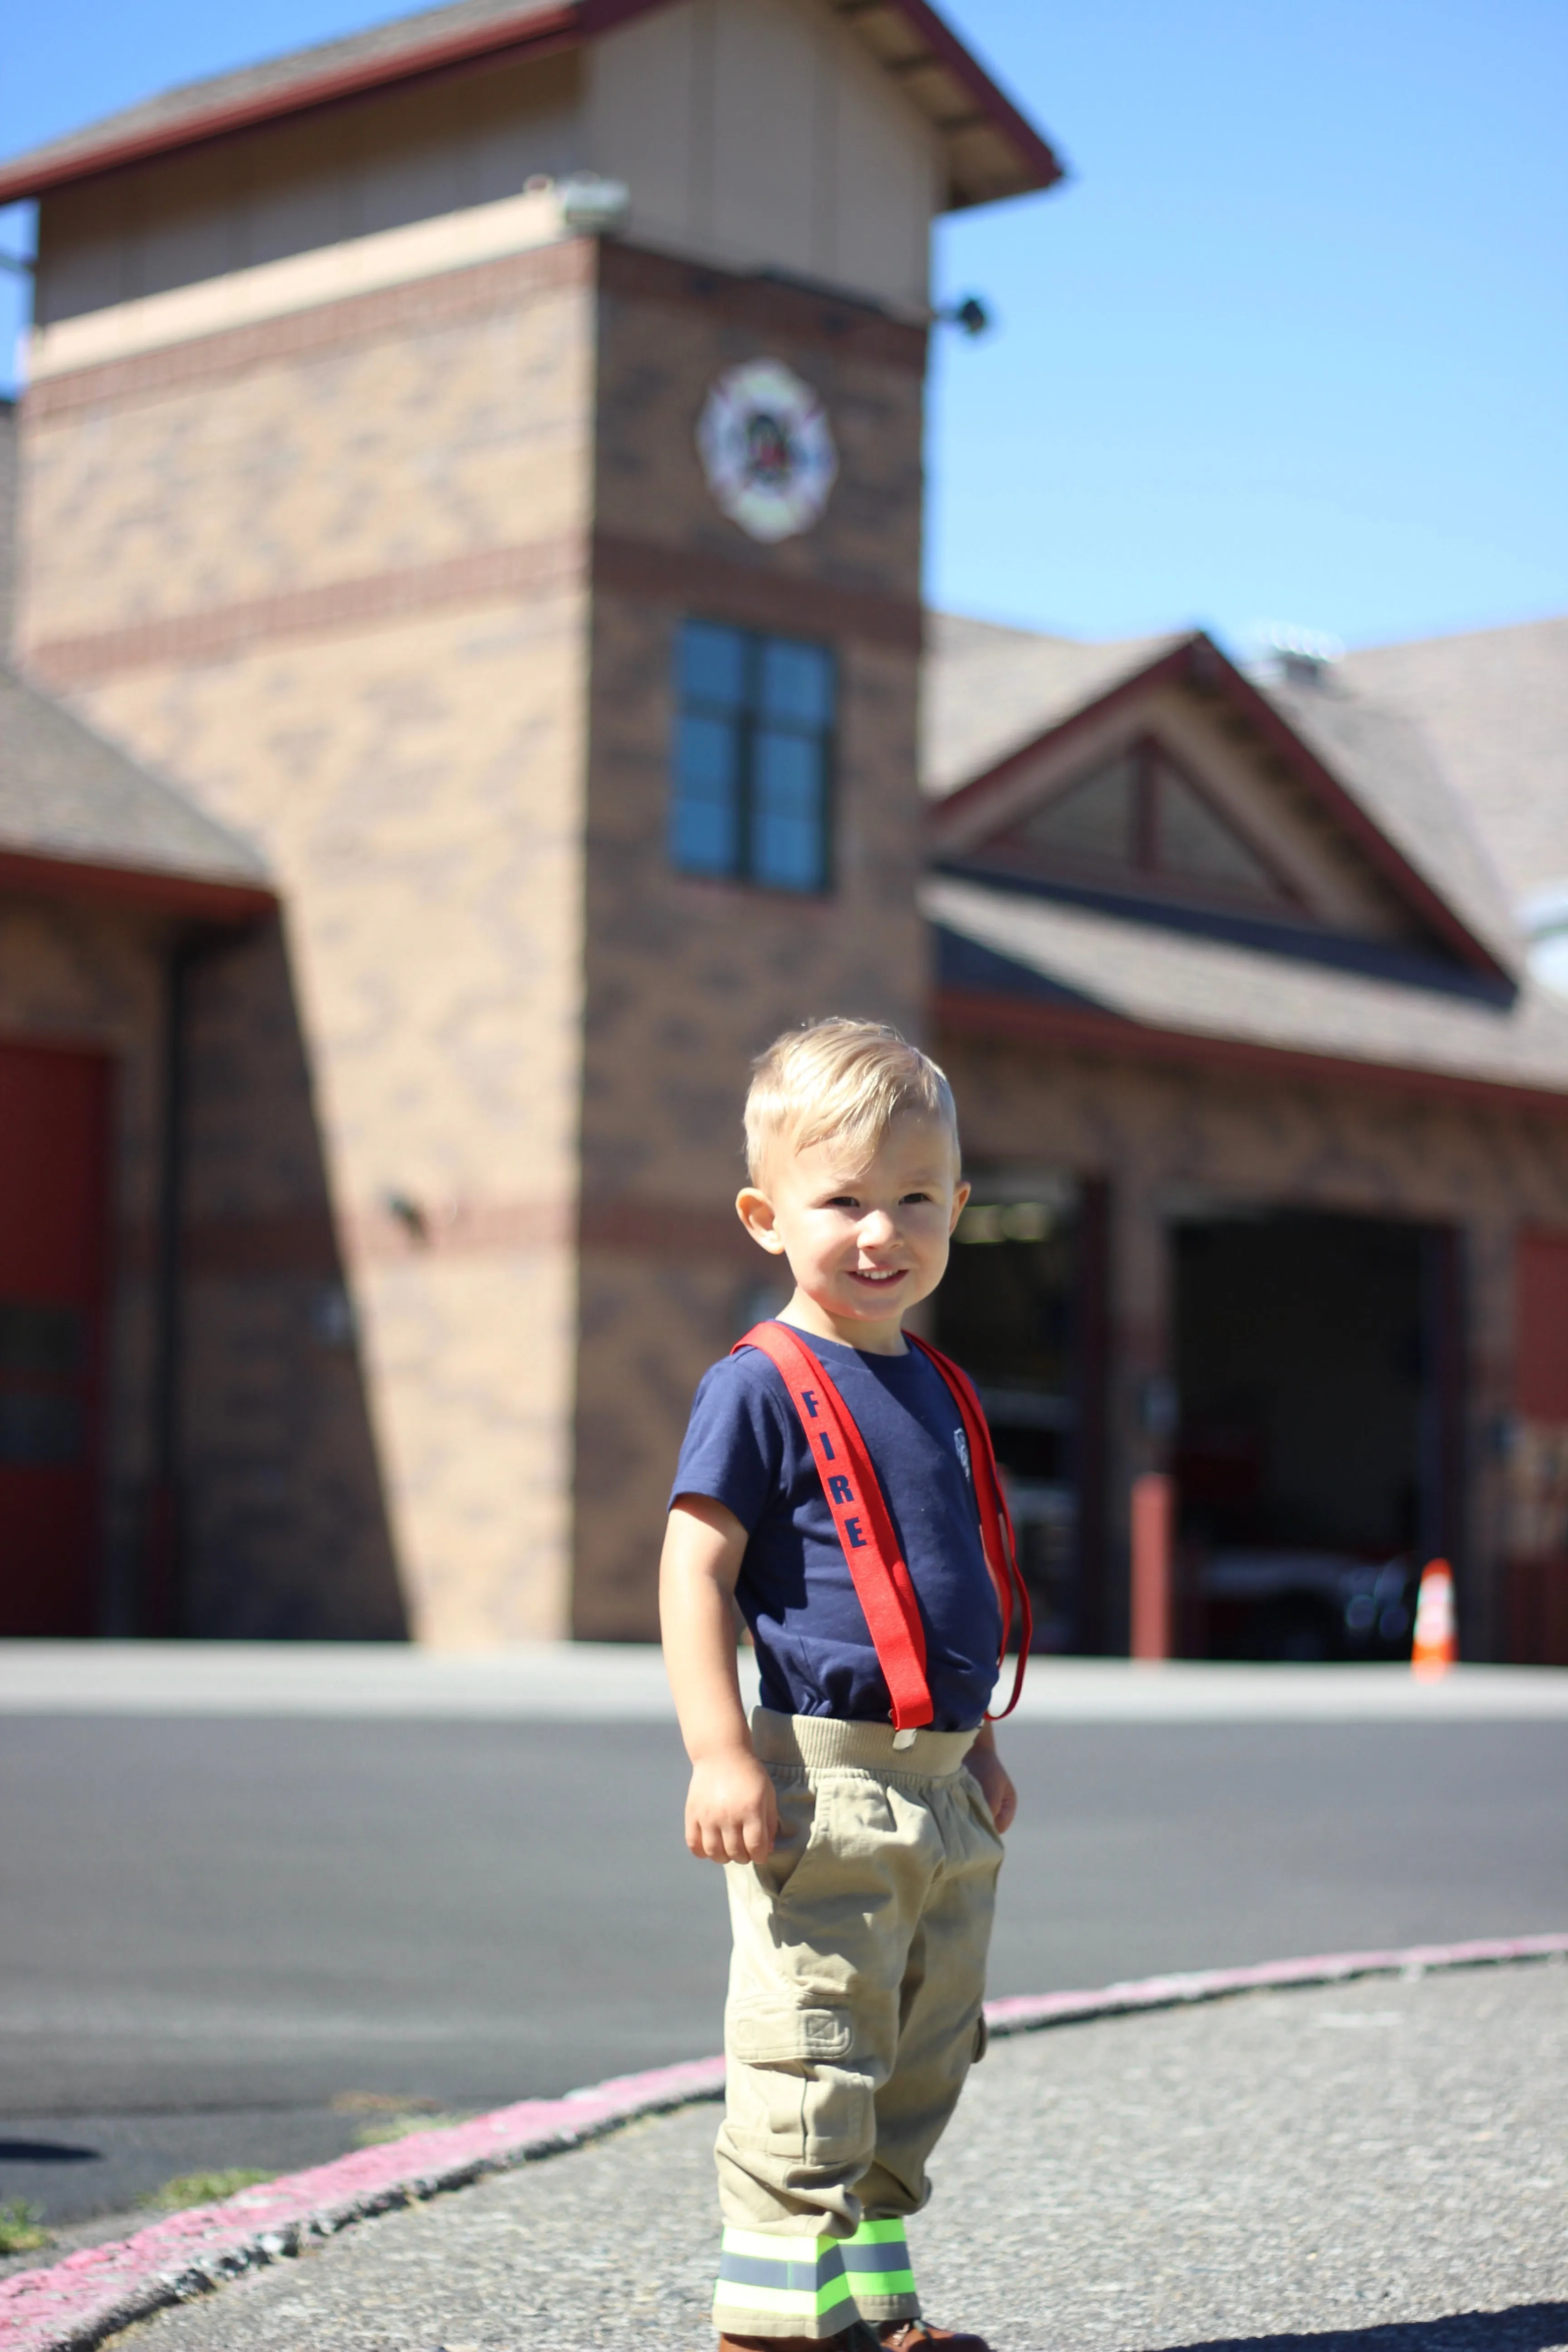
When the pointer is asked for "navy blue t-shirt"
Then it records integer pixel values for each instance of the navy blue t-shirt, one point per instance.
(745, 1448)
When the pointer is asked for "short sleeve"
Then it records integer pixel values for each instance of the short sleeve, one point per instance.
(734, 1447)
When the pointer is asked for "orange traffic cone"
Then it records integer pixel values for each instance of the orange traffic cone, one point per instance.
(1437, 1644)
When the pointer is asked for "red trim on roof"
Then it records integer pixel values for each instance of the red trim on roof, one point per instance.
(235, 903)
(1200, 663)
(536, 31)
(966, 67)
(1072, 1028)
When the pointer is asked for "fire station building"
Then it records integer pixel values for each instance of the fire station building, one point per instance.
(468, 689)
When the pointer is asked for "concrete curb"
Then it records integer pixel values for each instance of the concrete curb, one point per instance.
(74, 2303)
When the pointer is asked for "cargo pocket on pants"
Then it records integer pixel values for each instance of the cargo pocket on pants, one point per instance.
(785, 2094)
(763, 2034)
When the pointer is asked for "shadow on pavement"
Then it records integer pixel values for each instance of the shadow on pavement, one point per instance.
(1527, 2328)
(46, 2151)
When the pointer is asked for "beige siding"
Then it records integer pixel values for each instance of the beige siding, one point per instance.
(755, 133)
(409, 155)
(758, 134)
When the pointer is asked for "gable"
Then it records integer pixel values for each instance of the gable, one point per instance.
(1325, 824)
(1140, 822)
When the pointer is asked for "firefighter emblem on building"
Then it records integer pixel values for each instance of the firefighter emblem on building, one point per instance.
(766, 450)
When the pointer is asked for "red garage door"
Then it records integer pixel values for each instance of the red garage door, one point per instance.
(54, 1129)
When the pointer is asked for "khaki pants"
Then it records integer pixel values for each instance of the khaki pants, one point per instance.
(854, 2015)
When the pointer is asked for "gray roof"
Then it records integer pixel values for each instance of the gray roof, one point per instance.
(991, 149)
(247, 85)
(1212, 989)
(1495, 705)
(66, 793)
(989, 691)
(1387, 763)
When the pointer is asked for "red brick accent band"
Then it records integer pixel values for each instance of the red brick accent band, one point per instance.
(73, 2305)
(472, 290)
(683, 578)
(755, 593)
(770, 308)
(487, 575)
(307, 1244)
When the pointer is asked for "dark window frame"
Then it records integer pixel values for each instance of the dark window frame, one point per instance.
(750, 721)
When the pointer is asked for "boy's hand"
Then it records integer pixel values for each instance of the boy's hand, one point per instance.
(732, 1812)
(995, 1783)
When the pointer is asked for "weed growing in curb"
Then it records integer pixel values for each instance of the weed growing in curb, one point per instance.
(387, 2128)
(21, 2228)
(201, 2189)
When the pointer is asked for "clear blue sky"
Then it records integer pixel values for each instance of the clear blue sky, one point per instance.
(1292, 343)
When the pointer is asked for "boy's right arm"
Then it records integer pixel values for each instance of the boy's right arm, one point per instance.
(731, 1813)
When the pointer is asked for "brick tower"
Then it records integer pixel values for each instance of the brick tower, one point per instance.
(479, 462)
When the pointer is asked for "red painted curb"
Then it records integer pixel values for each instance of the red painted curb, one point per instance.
(74, 2303)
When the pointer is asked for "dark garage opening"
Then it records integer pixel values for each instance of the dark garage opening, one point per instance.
(1312, 1357)
(1019, 1309)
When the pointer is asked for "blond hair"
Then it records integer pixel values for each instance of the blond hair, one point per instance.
(844, 1081)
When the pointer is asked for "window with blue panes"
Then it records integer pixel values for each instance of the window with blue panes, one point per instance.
(750, 799)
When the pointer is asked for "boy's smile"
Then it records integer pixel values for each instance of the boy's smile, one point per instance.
(864, 1243)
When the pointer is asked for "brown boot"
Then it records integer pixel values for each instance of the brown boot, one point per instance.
(857, 2337)
(914, 2335)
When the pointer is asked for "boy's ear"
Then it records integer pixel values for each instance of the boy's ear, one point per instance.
(755, 1212)
(960, 1202)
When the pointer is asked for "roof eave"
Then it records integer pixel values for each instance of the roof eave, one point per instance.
(1071, 1028)
(537, 32)
(198, 897)
(1197, 661)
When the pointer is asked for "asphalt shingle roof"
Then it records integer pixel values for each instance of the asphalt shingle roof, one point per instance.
(67, 792)
(989, 691)
(1209, 988)
(992, 150)
(167, 109)
(1388, 764)
(1495, 705)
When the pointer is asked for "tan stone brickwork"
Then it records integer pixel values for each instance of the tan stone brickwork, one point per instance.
(687, 979)
(285, 1532)
(433, 439)
(416, 781)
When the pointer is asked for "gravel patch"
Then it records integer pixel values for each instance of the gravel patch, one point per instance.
(1379, 2167)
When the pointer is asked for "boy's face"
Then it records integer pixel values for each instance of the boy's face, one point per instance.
(865, 1242)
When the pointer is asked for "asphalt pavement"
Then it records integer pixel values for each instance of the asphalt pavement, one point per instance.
(1370, 2167)
(240, 1939)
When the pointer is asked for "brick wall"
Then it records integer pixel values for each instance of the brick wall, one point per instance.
(686, 980)
(330, 576)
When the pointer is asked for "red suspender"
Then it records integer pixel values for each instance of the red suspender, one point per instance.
(882, 1582)
(996, 1533)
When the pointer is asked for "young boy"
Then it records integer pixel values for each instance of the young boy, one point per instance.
(859, 1812)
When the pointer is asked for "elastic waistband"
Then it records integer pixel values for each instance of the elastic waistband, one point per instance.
(820, 1741)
